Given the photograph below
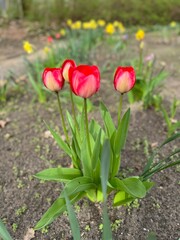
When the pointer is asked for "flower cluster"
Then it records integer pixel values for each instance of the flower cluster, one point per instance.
(109, 28)
(94, 150)
(84, 80)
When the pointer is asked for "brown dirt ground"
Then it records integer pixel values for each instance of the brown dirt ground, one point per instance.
(25, 151)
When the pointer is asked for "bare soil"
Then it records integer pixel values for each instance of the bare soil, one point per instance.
(26, 149)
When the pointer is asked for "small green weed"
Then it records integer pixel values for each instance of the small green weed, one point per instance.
(20, 211)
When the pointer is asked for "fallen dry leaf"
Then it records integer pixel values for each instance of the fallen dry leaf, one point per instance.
(174, 120)
(29, 234)
(4, 122)
(154, 144)
(47, 134)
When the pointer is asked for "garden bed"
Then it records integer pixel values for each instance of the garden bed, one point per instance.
(27, 147)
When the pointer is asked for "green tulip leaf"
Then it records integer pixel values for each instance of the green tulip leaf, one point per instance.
(105, 165)
(72, 219)
(92, 194)
(148, 185)
(107, 232)
(132, 185)
(96, 151)
(60, 141)
(85, 159)
(121, 134)
(56, 209)
(108, 122)
(122, 198)
(4, 234)
(70, 121)
(80, 184)
(59, 174)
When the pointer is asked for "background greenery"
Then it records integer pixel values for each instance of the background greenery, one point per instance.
(128, 11)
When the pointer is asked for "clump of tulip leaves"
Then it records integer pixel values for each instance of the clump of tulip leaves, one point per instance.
(92, 160)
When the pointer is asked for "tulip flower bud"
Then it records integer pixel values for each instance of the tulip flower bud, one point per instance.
(124, 79)
(52, 79)
(65, 68)
(84, 80)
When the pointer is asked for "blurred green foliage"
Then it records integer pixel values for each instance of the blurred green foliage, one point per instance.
(129, 12)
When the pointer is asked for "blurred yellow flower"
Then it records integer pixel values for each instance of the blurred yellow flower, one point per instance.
(116, 23)
(46, 49)
(101, 23)
(76, 25)
(86, 25)
(89, 25)
(62, 32)
(93, 24)
(69, 22)
(121, 27)
(110, 28)
(140, 34)
(27, 46)
(173, 24)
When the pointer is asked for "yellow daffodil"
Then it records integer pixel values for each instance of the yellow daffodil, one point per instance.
(116, 23)
(93, 24)
(121, 27)
(76, 25)
(69, 22)
(110, 28)
(86, 25)
(89, 25)
(62, 32)
(140, 34)
(101, 23)
(27, 46)
(46, 49)
(173, 24)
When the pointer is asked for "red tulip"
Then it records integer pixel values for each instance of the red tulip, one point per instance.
(84, 80)
(65, 68)
(58, 35)
(124, 79)
(52, 79)
(49, 39)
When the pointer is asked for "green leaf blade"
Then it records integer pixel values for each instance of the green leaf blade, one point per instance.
(107, 232)
(4, 232)
(122, 131)
(72, 219)
(59, 174)
(122, 198)
(105, 164)
(80, 184)
(56, 209)
(62, 144)
(108, 122)
(132, 186)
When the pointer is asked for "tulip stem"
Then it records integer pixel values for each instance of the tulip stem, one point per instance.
(87, 128)
(120, 108)
(73, 109)
(62, 118)
(140, 58)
